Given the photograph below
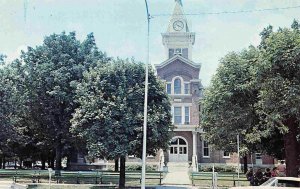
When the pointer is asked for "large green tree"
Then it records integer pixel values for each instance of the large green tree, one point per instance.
(279, 96)
(12, 139)
(50, 71)
(228, 107)
(256, 93)
(110, 116)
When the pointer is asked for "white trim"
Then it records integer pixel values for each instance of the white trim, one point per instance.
(189, 88)
(189, 121)
(167, 83)
(184, 60)
(182, 106)
(178, 146)
(181, 85)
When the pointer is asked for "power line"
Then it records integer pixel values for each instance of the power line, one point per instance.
(231, 12)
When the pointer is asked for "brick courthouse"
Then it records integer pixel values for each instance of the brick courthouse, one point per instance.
(181, 76)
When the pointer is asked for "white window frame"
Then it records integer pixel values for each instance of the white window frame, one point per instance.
(178, 115)
(189, 115)
(181, 85)
(169, 83)
(182, 105)
(258, 156)
(224, 156)
(189, 88)
(203, 149)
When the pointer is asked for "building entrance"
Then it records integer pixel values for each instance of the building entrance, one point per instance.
(178, 150)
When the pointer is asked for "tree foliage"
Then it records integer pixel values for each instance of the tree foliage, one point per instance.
(110, 116)
(51, 70)
(228, 106)
(12, 138)
(256, 93)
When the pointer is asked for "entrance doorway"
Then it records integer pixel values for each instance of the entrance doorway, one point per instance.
(178, 150)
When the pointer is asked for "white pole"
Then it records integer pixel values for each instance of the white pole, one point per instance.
(50, 173)
(145, 105)
(238, 151)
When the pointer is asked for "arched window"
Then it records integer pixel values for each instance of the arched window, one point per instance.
(177, 86)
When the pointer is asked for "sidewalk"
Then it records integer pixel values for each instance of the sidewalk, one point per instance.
(177, 177)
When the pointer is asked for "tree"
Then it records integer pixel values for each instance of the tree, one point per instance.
(11, 103)
(279, 96)
(110, 116)
(50, 71)
(259, 100)
(228, 107)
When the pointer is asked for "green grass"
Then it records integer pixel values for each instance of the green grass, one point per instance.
(83, 177)
(204, 179)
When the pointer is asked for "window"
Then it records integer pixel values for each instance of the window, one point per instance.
(168, 88)
(226, 154)
(186, 88)
(258, 155)
(187, 115)
(178, 51)
(177, 115)
(185, 53)
(205, 149)
(177, 86)
(171, 53)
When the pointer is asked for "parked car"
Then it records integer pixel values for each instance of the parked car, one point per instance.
(282, 182)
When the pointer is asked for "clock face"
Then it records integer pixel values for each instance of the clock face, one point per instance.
(178, 25)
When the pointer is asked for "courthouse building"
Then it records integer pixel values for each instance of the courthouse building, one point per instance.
(181, 76)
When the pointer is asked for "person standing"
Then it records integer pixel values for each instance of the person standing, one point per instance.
(250, 176)
(281, 169)
(274, 172)
(267, 174)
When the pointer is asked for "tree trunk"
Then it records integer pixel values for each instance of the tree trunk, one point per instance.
(292, 151)
(43, 160)
(1, 162)
(116, 164)
(58, 157)
(15, 164)
(51, 160)
(122, 173)
(245, 164)
(21, 163)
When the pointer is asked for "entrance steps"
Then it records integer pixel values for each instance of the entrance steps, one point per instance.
(177, 174)
(178, 166)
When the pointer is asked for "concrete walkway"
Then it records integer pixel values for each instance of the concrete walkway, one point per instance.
(5, 184)
(177, 177)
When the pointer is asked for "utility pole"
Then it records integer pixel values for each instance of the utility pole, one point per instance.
(238, 153)
(145, 104)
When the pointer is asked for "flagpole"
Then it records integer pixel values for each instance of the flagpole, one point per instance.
(145, 104)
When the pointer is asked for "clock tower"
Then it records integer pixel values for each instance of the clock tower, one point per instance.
(178, 40)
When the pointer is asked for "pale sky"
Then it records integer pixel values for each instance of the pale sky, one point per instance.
(120, 26)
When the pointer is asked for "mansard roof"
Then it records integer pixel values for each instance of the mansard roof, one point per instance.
(182, 59)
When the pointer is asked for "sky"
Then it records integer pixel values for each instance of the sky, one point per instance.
(120, 26)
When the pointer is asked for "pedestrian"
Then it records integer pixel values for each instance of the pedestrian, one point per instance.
(250, 176)
(258, 177)
(281, 169)
(267, 174)
(274, 172)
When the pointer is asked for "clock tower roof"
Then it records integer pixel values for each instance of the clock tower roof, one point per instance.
(178, 21)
